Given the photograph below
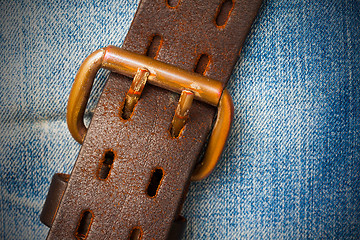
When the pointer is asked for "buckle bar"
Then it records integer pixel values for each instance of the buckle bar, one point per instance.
(160, 74)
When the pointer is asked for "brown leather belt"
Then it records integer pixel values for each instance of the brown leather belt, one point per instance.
(134, 167)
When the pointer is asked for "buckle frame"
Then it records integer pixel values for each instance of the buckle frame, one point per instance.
(162, 75)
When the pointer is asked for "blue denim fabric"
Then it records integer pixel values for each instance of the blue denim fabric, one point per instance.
(292, 166)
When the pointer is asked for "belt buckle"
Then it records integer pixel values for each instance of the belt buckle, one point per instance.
(162, 75)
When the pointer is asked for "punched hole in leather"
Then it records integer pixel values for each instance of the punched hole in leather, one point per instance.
(131, 176)
(57, 189)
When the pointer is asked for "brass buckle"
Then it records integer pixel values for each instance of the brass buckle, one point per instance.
(160, 74)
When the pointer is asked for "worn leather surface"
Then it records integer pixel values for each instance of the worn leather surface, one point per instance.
(143, 142)
(57, 188)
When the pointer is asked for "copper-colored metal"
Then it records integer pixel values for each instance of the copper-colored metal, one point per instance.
(163, 75)
(80, 93)
(217, 139)
(134, 93)
(125, 62)
(160, 74)
(181, 112)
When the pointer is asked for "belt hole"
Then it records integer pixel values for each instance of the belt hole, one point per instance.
(106, 164)
(202, 64)
(154, 46)
(83, 227)
(172, 3)
(155, 182)
(223, 13)
(136, 233)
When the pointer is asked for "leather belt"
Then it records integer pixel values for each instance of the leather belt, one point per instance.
(143, 143)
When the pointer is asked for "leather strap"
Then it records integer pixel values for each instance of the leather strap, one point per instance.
(116, 203)
(56, 190)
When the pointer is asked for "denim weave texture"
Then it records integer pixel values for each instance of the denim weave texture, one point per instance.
(291, 169)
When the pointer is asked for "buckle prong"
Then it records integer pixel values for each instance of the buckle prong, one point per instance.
(162, 75)
(181, 112)
(134, 93)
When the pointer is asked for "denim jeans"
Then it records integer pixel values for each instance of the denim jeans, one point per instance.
(291, 169)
